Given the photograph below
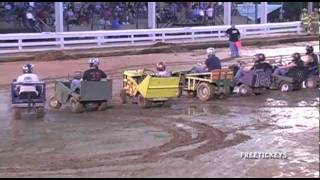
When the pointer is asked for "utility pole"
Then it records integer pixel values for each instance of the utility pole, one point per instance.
(256, 12)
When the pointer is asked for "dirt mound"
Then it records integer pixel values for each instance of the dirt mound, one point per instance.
(160, 44)
(52, 56)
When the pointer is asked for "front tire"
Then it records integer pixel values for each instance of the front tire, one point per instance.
(54, 103)
(285, 87)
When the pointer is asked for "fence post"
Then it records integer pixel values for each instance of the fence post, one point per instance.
(99, 38)
(244, 31)
(132, 38)
(192, 36)
(163, 37)
(20, 44)
(62, 42)
(299, 28)
(154, 37)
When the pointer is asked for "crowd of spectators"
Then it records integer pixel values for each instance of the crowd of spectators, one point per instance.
(109, 15)
(192, 12)
(28, 14)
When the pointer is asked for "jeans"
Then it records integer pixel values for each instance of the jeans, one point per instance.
(234, 49)
(75, 84)
(243, 77)
(280, 71)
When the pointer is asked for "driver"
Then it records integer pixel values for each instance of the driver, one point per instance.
(94, 73)
(161, 70)
(296, 62)
(213, 62)
(259, 63)
(28, 77)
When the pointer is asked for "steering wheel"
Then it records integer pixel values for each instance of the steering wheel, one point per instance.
(148, 72)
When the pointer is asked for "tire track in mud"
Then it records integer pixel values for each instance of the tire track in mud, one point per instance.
(211, 139)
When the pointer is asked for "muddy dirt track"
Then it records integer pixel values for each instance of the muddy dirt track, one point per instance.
(185, 138)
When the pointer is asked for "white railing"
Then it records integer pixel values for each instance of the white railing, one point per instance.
(30, 42)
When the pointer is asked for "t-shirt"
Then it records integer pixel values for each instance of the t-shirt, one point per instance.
(163, 74)
(213, 63)
(234, 34)
(28, 78)
(315, 60)
(263, 66)
(94, 75)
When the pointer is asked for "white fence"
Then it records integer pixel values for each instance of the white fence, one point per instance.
(30, 42)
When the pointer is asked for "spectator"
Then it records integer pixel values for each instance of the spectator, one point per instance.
(234, 36)
(115, 25)
(209, 12)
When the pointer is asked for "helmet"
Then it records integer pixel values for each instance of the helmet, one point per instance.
(304, 10)
(296, 56)
(161, 66)
(94, 62)
(260, 57)
(28, 68)
(211, 51)
(309, 49)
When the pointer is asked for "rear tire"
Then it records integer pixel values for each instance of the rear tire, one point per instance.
(205, 91)
(76, 106)
(222, 96)
(311, 83)
(103, 106)
(123, 96)
(54, 103)
(142, 102)
(91, 106)
(16, 114)
(40, 112)
(180, 91)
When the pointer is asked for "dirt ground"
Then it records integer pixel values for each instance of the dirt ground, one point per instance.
(185, 138)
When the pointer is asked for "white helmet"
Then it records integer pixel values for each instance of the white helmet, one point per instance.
(94, 62)
(211, 51)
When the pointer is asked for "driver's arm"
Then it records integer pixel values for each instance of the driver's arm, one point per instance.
(290, 65)
(103, 76)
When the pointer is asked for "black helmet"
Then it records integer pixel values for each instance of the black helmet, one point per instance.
(309, 49)
(296, 56)
(260, 57)
(28, 68)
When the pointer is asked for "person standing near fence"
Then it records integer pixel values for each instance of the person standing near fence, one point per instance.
(314, 18)
(304, 18)
(234, 35)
